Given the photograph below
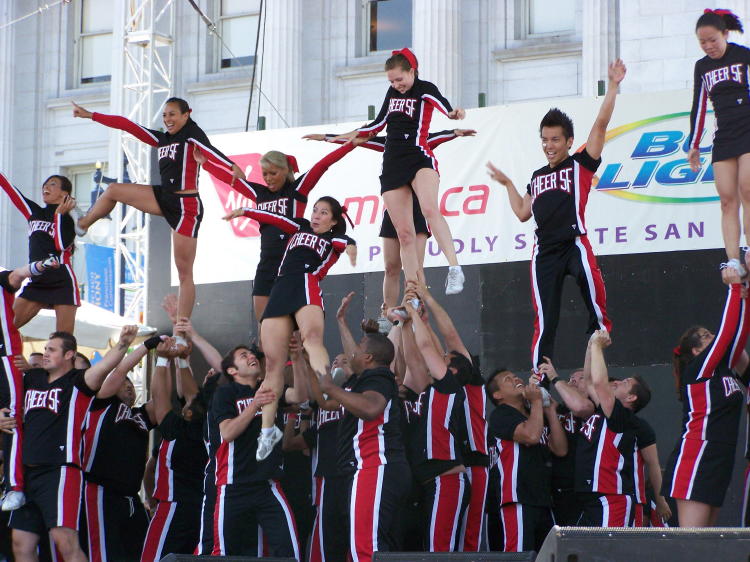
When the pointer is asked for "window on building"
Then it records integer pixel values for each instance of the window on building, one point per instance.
(238, 26)
(84, 183)
(387, 24)
(95, 41)
(550, 17)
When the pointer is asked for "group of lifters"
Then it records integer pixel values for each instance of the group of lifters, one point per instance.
(391, 446)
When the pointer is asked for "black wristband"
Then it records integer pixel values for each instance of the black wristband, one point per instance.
(556, 380)
(152, 342)
(305, 418)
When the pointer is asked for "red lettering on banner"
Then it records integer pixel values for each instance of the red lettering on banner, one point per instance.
(481, 199)
(230, 199)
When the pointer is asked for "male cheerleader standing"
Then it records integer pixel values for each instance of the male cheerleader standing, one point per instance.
(556, 197)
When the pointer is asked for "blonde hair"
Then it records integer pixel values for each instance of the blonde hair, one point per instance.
(276, 158)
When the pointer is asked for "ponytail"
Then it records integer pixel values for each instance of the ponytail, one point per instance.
(339, 229)
(682, 354)
(723, 20)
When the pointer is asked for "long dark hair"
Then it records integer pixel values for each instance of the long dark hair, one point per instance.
(723, 20)
(183, 105)
(682, 354)
(65, 184)
(339, 229)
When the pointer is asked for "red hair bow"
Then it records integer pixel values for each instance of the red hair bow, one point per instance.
(408, 55)
(292, 163)
(718, 12)
(346, 215)
(677, 352)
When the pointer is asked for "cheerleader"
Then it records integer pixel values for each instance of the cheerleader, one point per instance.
(408, 161)
(391, 247)
(51, 235)
(706, 368)
(296, 300)
(177, 198)
(722, 77)
(283, 195)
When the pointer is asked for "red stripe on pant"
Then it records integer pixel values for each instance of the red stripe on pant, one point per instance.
(188, 221)
(69, 493)
(687, 464)
(317, 553)
(746, 499)
(93, 500)
(616, 510)
(538, 322)
(219, 523)
(511, 518)
(14, 456)
(446, 506)
(599, 293)
(158, 530)
(638, 516)
(472, 525)
(312, 289)
(364, 512)
(278, 492)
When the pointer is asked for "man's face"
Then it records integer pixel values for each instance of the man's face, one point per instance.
(54, 356)
(509, 386)
(246, 363)
(126, 393)
(623, 390)
(36, 361)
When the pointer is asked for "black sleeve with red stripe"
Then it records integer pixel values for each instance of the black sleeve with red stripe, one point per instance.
(698, 110)
(704, 365)
(222, 173)
(24, 205)
(585, 160)
(143, 134)
(306, 182)
(284, 224)
(223, 404)
(80, 383)
(379, 123)
(197, 136)
(373, 143)
(432, 95)
(436, 139)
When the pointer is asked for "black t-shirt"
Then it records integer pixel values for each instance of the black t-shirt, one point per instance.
(559, 196)
(525, 471)
(53, 417)
(604, 452)
(373, 443)
(116, 445)
(436, 437)
(181, 459)
(563, 468)
(307, 252)
(235, 460)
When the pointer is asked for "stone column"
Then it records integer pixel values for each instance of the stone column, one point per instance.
(7, 232)
(282, 64)
(436, 40)
(600, 37)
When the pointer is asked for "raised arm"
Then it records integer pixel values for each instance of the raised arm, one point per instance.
(94, 375)
(599, 376)
(595, 142)
(530, 432)
(148, 136)
(209, 352)
(114, 380)
(432, 358)
(347, 340)
(578, 404)
(444, 323)
(298, 391)
(416, 377)
(520, 205)
(24, 205)
(161, 386)
(558, 442)
(308, 180)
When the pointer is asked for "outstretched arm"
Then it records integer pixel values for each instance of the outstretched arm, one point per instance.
(264, 217)
(209, 352)
(444, 323)
(94, 376)
(114, 380)
(148, 136)
(580, 405)
(24, 205)
(347, 339)
(521, 205)
(432, 359)
(311, 178)
(595, 142)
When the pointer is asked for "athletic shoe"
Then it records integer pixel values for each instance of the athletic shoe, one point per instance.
(384, 325)
(736, 265)
(76, 214)
(454, 283)
(13, 500)
(51, 262)
(266, 443)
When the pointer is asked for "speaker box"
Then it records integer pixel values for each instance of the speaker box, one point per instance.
(454, 556)
(192, 558)
(648, 544)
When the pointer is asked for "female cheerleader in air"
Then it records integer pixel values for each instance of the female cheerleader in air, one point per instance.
(282, 195)
(706, 368)
(408, 162)
(391, 246)
(177, 198)
(296, 299)
(722, 76)
(51, 236)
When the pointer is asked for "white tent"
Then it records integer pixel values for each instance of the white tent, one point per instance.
(95, 326)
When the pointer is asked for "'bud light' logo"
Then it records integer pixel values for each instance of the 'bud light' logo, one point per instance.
(231, 199)
(651, 162)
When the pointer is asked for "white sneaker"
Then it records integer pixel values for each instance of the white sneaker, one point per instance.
(52, 262)
(736, 265)
(266, 443)
(384, 325)
(454, 283)
(76, 214)
(13, 500)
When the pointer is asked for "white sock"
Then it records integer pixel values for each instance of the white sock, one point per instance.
(266, 431)
(454, 267)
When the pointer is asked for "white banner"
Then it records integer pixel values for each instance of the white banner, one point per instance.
(647, 199)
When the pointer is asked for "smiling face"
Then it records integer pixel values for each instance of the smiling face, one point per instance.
(174, 119)
(554, 144)
(322, 218)
(52, 191)
(712, 41)
(508, 386)
(274, 176)
(401, 80)
(246, 365)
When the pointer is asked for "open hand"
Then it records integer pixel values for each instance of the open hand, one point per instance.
(616, 71)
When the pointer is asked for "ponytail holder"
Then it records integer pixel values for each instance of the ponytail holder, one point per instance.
(718, 12)
(346, 215)
(408, 55)
(676, 351)
(292, 163)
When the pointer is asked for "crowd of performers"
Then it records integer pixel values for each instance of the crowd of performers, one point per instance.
(400, 442)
